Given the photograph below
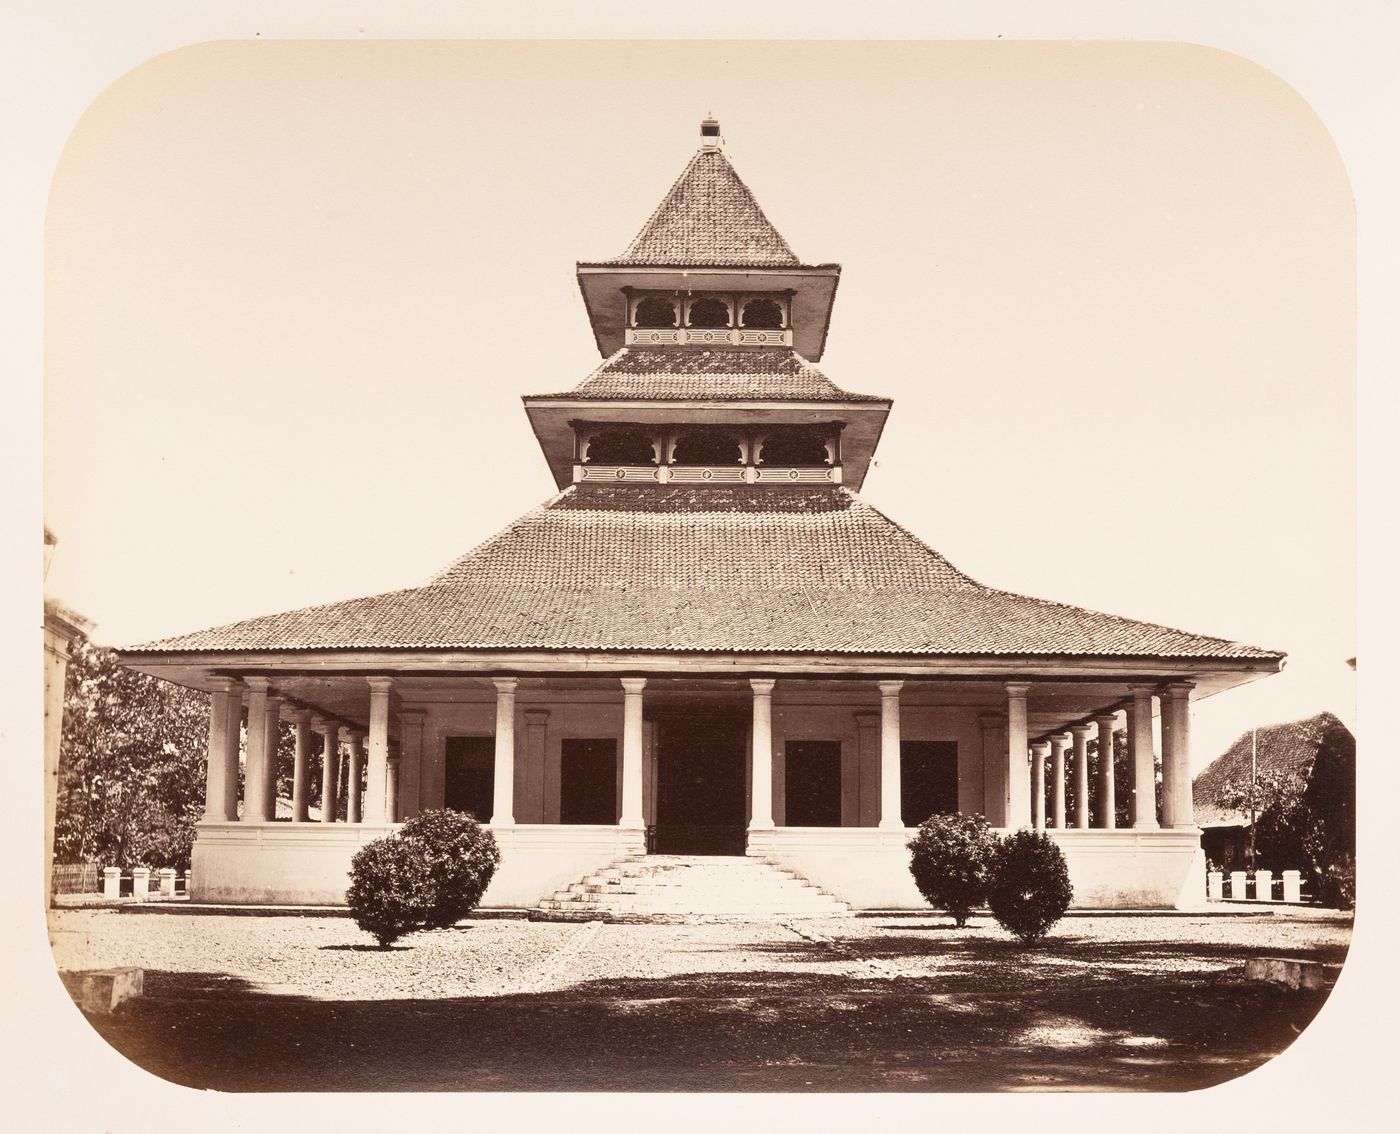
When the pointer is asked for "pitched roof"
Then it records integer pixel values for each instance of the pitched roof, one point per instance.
(722, 374)
(1282, 748)
(684, 569)
(708, 219)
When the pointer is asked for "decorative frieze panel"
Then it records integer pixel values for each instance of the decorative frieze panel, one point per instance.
(799, 476)
(615, 472)
(696, 474)
(702, 336)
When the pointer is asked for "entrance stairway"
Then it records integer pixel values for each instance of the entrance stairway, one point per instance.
(664, 887)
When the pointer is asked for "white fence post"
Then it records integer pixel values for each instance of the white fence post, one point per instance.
(1263, 885)
(1215, 886)
(140, 882)
(167, 882)
(1292, 886)
(111, 881)
(1237, 885)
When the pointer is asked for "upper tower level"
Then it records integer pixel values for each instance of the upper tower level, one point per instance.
(709, 269)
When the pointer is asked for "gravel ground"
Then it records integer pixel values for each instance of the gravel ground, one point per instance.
(892, 1003)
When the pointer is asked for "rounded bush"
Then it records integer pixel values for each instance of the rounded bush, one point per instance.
(391, 888)
(949, 859)
(462, 858)
(1029, 888)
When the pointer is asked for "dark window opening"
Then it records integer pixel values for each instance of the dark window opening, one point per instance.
(469, 775)
(709, 313)
(654, 311)
(794, 447)
(621, 447)
(928, 779)
(706, 447)
(764, 314)
(812, 783)
(588, 781)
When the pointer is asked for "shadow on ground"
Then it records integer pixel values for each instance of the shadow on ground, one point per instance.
(967, 1029)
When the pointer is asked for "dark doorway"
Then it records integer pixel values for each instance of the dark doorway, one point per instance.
(588, 781)
(469, 775)
(812, 783)
(700, 791)
(928, 779)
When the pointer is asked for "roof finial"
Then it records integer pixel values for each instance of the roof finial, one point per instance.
(709, 133)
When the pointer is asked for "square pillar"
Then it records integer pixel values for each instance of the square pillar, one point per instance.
(993, 726)
(410, 762)
(867, 768)
(376, 809)
(632, 753)
(1177, 754)
(1039, 750)
(1018, 787)
(536, 726)
(891, 803)
(1081, 775)
(1058, 744)
(255, 767)
(330, 769)
(761, 756)
(301, 756)
(221, 779)
(1144, 766)
(1107, 816)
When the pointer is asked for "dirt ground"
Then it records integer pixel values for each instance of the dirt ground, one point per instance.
(851, 1004)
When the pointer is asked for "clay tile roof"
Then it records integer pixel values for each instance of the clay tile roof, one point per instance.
(708, 219)
(722, 374)
(811, 569)
(1282, 748)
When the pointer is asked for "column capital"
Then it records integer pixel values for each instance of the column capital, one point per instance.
(1107, 719)
(325, 725)
(412, 716)
(302, 716)
(991, 718)
(1139, 687)
(1017, 688)
(1080, 731)
(257, 684)
(536, 717)
(379, 684)
(867, 718)
(505, 684)
(762, 686)
(633, 685)
(227, 685)
(1177, 688)
(890, 688)
(1059, 740)
(1040, 747)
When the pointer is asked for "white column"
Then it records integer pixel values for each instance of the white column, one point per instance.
(330, 769)
(1178, 704)
(1058, 744)
(301, 785)
(1144, 767)
(377, 762)
(1106, 818)
(219, 775)
(1018, 788)
(1081, 775)
(761, 810)
(271, 721)
(232, 742)
(391, 787)
(1039, 750)
(891, 803)
(503, 800)
(354, 805)
(255, 759)
(632, 753)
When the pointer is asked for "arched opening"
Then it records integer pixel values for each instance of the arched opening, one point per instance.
(655, 311)
(621, 447)
(796, 447)
(707, 447)
(763, 314)
(709, 312)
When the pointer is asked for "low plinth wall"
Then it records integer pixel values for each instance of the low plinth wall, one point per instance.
(309, 863)
(869, 868)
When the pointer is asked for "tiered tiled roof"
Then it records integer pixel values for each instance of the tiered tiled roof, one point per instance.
(708, 219)
(721, 374)
(678, 569)
(1282, 749)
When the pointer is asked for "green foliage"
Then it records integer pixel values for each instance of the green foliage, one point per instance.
(949, 858)
(131, 780)
(391, 888)
(462, 857)
(1029, 888)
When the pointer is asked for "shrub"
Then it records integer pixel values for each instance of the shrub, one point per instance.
(1029, 888)
(949, 858)
(391, 888)
(462, 857)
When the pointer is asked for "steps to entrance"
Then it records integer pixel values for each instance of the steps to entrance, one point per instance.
(661, 887)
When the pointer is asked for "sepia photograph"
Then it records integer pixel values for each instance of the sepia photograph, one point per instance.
(727, 566)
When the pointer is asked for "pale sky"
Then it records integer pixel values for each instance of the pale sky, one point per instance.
(296, 289)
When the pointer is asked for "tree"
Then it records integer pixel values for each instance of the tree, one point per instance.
(391, 890)
(1028, 889)
(131, 783)
(948, 858)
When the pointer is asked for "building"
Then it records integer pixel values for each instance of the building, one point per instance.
(706, 642)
